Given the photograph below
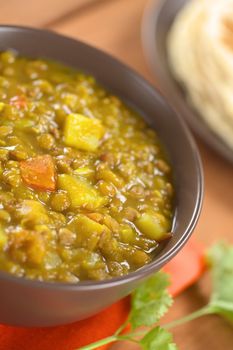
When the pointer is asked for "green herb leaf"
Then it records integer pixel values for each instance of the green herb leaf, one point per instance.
(150, 301)
(220, 259)
(158, 339)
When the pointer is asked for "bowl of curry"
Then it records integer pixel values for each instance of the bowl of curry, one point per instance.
(100, 181)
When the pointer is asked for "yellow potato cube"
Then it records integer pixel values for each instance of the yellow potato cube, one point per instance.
(80, 192)
(153, 226)
(82, 132)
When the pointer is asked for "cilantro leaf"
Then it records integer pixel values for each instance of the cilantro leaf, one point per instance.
(220, 259)
(158, 339)
(150, 301)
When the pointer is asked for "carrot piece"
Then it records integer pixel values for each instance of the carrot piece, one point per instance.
(186, 268)
(39, 173)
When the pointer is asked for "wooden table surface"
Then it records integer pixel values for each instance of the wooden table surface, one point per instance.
(114, 25)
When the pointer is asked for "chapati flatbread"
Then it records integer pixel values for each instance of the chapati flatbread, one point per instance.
(200, 54)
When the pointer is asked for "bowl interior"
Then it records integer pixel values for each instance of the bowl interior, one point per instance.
(124, 82)
(157, 21)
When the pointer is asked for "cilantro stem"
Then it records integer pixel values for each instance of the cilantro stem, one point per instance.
(225, 305)
(206, 310)
(100, 343)
(111, 339)
(122, 327)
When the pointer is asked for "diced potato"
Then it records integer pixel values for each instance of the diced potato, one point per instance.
(32, 213)
(153, 226)
(88, 226)
(82, 132)
(81, 193)
(39, 173)
(88, 231)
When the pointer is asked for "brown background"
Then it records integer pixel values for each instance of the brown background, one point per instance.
(114, 25)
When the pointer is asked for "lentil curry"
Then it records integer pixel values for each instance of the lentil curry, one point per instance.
(85, 191)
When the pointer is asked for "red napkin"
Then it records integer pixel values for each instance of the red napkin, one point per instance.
(185, 269)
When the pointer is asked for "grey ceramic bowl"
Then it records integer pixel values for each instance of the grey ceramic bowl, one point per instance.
(157, 20)
(33, 303)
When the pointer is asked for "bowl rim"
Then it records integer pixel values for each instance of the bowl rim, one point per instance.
(156, 264)
(149, 34)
